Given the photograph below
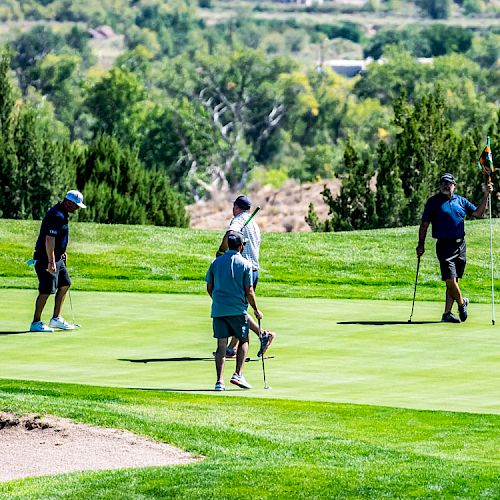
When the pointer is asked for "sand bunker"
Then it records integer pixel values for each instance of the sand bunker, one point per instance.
(30, 446)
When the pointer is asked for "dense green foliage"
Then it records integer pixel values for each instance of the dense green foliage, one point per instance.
(209, 102)
(281, 450)
(39, 163)
(407, 171)
(378, 264)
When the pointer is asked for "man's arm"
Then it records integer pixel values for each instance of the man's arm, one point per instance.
(50, 245)
(487, 188)
(223, 246)
(253, 301)
(210, 288)
(422, 233)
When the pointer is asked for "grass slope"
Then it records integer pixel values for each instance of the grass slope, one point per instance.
(377, 264)
(254, 449)
(429, 366)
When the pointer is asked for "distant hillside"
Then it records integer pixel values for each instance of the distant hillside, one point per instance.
(282, 210)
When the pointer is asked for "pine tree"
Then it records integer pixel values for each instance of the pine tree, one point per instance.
(9, 194)
(354, 208)
(389, 198)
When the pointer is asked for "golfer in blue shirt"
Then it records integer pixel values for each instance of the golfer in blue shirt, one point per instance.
(446, 212)
(229, 283)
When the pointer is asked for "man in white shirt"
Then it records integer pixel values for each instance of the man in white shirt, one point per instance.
(251, 252)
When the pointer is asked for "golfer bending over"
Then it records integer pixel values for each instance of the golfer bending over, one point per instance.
(50, 262)
(229, 283)
(251, 252)
(446, 212)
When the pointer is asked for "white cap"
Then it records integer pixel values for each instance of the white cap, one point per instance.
(76, 197)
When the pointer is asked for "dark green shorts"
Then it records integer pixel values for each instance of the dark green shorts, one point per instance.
(231, 326)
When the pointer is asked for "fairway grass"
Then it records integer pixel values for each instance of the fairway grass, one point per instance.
(136, 340)
(254, 448)
(378, 264)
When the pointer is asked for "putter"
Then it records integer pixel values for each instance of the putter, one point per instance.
(263, 367)
(77, 325)
(415, 290)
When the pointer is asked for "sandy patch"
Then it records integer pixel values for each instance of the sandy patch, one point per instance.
(31, 446)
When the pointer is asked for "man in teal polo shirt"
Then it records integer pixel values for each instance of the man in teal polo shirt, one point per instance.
(229, 283)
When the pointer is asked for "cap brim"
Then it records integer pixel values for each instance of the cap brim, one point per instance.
(81, 205)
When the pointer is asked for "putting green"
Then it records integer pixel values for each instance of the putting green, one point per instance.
(322, 354)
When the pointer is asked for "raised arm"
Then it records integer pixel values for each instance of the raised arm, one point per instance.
(487, 188)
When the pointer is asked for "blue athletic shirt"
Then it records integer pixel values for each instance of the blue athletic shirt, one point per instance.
(447, 215)
(55, 223)
(229, 275)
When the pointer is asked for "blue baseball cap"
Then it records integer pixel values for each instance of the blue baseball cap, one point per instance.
(243, 202)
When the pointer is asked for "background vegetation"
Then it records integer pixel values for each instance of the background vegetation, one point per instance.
(202, 93)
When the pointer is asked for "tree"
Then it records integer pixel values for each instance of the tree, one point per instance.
(119, 190)
(389, 198)
(436, 9)
(242, 96)
(31, 47)
(117, 104)
(354, 207)
(9, 178)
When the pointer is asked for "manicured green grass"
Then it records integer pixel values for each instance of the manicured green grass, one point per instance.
(263, 449)
(366, 265)
(427, 366)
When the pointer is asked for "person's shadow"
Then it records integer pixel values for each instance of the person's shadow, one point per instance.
(14, 333)
(376, 323)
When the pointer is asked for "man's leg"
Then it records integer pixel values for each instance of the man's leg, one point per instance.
(453, 294)
(220, 357)
(41, 300)
(241, 355)
(59, 300)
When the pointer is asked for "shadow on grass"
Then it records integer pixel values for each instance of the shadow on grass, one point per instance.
(164, 360)
(184, 390)
(14, 333)
(387, 322)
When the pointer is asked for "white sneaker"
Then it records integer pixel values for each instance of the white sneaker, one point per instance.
(61, 323)
(240, 381)
(38, 326)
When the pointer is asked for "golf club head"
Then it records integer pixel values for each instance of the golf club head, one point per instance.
(267, 387)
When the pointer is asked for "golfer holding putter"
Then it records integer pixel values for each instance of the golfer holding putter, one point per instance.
(50, 262)
(251, 252)
(229, 283)
(446, 212)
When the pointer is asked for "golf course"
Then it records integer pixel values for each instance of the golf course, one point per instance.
(363, 403)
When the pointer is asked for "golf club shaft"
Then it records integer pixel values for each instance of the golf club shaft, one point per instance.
(415, 289)
(491, 266)
(262, 357)
(251, 216)
(71, 305)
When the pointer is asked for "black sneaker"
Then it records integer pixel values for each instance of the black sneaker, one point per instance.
(449, 318)
(462, 310)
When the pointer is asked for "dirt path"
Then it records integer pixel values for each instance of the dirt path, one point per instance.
(30, 446)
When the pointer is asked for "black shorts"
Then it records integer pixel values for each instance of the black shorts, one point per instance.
(231, 326)
(451, 256)
(49, 283)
